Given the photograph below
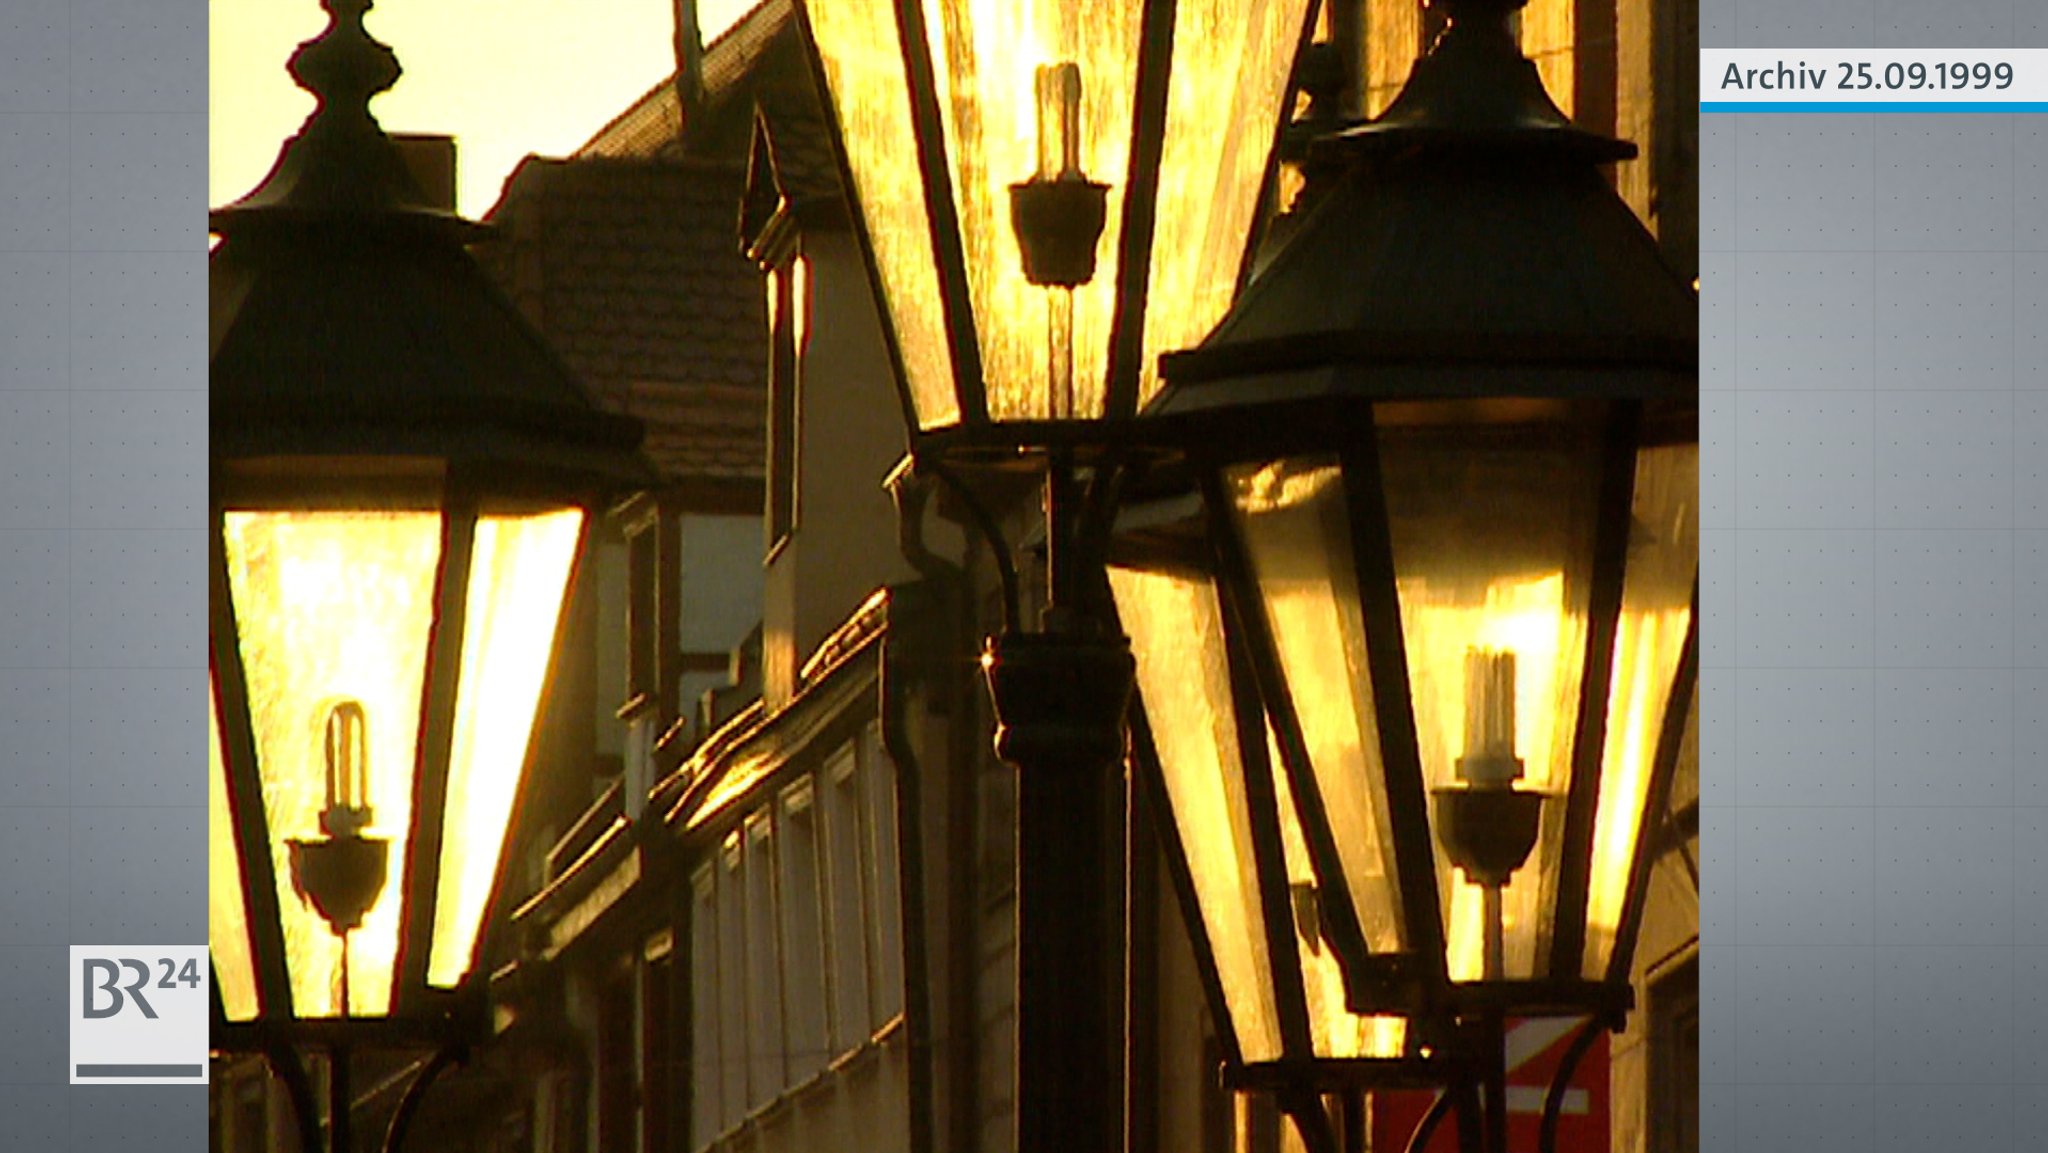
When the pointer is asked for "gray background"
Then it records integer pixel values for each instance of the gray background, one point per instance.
(102, 491)
(1875, 392)
(1875, 385)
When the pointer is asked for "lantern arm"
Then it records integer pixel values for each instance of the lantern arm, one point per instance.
(984, 524)
(1439, 1108)
(1118, 474)
(1567, 1067)
(1082, 505)
(286, 1065)
(422, 1079)
(1312, 1121)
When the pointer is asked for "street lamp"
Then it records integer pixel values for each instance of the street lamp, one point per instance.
(1049, 196)
(1414, 621)
(402, 477)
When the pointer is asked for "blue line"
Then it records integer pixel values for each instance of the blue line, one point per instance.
(1980, 106)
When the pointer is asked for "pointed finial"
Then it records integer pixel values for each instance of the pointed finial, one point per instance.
(1470, 15)
(344, 66)
(341, 165)
(1475, 9)
(1475, 88)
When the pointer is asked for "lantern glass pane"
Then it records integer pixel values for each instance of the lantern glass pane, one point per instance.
(1493, 532)
(1295, 524)
(1656, 610)
(862, 59)
(1176, 627)
(227, 910)
(1232, 60)
(1044, 350)
(518, 579)
(1334, 1031)
(334, 607)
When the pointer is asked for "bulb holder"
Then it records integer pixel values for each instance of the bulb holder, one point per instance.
(1059, 224)
(1489, 770)
(1488, 832)
(341, 877)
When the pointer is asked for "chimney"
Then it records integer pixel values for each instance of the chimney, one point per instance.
(689, 59)
(431, 161)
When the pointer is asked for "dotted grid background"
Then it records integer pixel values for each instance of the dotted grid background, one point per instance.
(1875, 555)
(102, 495)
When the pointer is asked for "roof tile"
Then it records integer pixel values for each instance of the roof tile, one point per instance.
(631, 270)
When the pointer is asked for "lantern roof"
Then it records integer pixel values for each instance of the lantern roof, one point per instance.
(1472, 247)
(347, 318)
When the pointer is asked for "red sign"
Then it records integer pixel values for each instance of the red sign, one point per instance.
(1535, 1049)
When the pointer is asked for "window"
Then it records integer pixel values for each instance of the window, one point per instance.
(796, 942)
(803, 934)
(789, 306)
(731, 1000)
(840, 798)
(707, 1117)
(643, 630)
(765, 1073)
(885, 922)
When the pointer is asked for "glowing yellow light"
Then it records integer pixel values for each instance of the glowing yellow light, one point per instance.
(1656, 615)
(333, 605)
(1176, 625)
(227, 918)
(1287, 512)
(1226, 82)
(518, 576)
(1527, 617)
(1334, 1030)
(1644, 652)
(862, 60)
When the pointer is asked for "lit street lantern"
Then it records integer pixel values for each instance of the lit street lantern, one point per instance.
(1052, 195)
(402, 480)
(1049, 196)
(1414, 617)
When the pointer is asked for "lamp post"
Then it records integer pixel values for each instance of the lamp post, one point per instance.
(1049, 196)
(402, 477)
(1414, 615)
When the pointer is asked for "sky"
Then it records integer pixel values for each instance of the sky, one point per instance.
(504, 77)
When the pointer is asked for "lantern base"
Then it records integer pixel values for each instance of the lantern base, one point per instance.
(1488, 832)
(340, 876)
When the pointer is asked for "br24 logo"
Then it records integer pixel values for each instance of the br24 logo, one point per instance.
(102, 975)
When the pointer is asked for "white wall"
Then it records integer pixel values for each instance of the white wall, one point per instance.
(850, 434)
